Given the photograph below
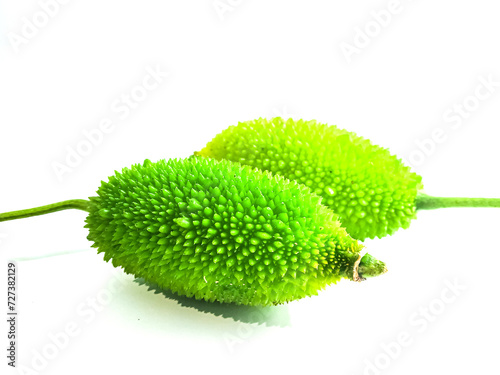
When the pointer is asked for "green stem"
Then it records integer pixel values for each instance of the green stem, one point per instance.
(79, 204)
(426, 202)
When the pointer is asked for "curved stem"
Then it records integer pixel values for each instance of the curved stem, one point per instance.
(426, 202)
(79, 204)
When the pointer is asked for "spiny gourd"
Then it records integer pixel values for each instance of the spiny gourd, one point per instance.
(370, 189)
(219, 231)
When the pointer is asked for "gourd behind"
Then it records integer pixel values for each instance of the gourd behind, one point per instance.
(371, 190)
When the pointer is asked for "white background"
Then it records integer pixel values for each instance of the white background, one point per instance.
(258, 59)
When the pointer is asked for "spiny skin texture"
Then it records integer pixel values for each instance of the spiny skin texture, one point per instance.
(371, 190)
(220, 231)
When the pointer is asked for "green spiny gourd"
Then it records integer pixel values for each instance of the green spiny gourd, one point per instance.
(216, 230)
(370, 189)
